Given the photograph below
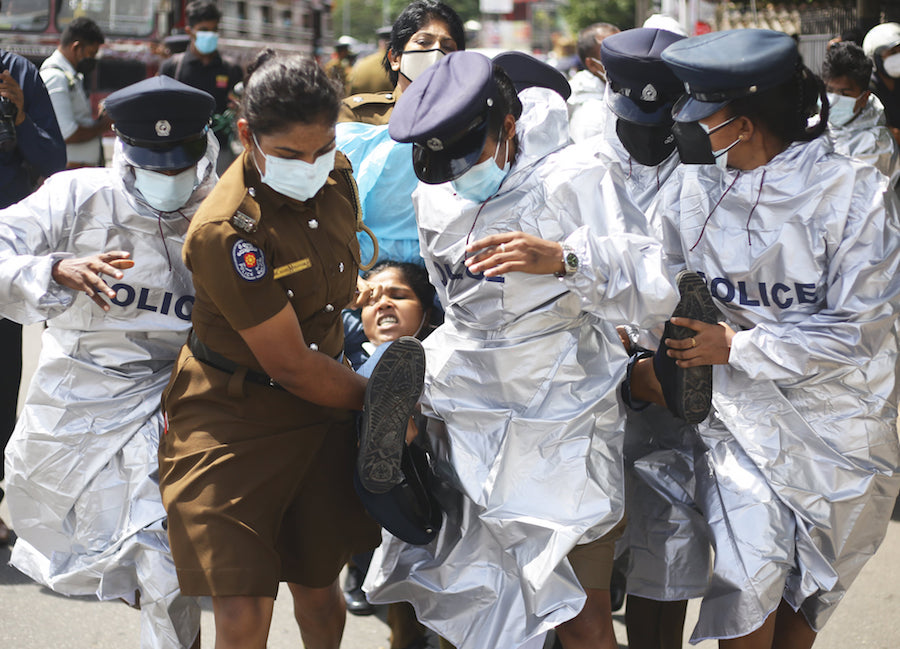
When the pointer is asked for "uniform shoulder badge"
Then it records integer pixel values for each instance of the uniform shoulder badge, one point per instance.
(244, 222)
(249, 261)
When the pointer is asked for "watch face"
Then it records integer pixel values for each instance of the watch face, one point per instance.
(571, 260)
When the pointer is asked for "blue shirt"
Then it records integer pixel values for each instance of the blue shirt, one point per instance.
(39, 142)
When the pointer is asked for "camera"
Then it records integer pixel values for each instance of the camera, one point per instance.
(8, 114)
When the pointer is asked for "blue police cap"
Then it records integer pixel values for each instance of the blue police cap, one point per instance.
(162, 122)
(444, 113)
(722, 66)
(525, 71)
(643, 87)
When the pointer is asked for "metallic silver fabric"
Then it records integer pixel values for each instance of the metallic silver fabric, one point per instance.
(867, 138)
(521, 389)
(668, 556)
(81, 466)
(799, 477)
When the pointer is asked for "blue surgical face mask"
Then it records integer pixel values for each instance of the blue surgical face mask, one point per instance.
(295, 178)
(483, 180)
(841, 109)
(165, 193)
(206, 42)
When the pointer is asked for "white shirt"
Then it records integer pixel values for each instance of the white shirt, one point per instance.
(71, 105)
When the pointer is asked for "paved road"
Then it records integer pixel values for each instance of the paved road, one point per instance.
(32, 617)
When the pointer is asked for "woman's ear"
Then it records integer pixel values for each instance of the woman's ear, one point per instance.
(243, 127)
(509, 127)
(394, 60)
(746, 128)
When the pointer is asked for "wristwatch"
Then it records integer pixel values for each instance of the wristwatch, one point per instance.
(570, 261)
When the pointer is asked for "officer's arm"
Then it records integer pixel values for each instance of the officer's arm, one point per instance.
(280, 348)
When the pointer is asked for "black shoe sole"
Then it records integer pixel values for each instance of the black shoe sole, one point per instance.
(692, 385)
(392, 392)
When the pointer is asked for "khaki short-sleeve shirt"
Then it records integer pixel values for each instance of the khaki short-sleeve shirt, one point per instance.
(252, 251)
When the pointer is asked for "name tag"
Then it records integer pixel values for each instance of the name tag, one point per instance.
(294, 267)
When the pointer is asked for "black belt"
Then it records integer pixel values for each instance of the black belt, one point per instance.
(205, 355)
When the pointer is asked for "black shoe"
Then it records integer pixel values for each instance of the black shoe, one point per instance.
(357, 604)
(393, 390)
(688, 391)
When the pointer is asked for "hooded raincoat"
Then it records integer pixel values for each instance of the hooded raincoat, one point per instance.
(521, 389)
(795, 468)
(82, 463)
(866, 137)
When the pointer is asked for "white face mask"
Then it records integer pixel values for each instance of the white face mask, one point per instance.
(891, 65)
(415, 62)
(841, 109)
(295, 178)
(165, 193)
(721, 155)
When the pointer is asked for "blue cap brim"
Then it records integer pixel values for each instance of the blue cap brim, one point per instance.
(177, 157)
(691, 110)
(436, 167)
(628, 110)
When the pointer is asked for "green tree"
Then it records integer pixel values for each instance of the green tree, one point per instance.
(578, 14)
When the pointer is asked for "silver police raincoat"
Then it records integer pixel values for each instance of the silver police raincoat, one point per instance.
(666, 556)
(795, 469)
(521, 387)
(866, 137)
(81, 466)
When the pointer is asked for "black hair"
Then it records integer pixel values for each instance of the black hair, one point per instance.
(786, 110)
(416, 277)
(416, 15)
(280, 91)
(847, 59)
(84, 30)
(200, 11)
(853, 35)
(588, 45)
(506, 102)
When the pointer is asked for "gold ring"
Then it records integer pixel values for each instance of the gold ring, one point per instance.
(693, 342)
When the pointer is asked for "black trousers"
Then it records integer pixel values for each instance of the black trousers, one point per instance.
(10, 377)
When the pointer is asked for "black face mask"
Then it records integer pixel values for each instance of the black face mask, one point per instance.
(86, 66)
(648, 144)
(693, 143)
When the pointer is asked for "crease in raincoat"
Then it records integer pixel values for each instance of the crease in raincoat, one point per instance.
(81, 466)
(521, 392)
(799, 476)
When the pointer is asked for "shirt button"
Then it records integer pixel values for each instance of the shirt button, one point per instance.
(314, 347)
(313, 224)
(341, 267)
(329, 308)
(251, 191)
(290, 293)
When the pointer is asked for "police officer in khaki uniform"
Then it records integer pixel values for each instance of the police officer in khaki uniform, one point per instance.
(368, 74)
(423, 33)
(256, 466)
